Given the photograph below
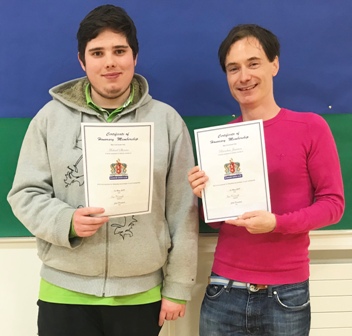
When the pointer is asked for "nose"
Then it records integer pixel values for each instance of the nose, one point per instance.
(110, 61)
(245, 75)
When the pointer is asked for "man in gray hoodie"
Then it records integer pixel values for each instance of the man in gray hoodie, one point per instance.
(100, 275)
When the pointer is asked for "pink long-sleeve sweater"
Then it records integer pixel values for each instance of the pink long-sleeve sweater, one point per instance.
(306, 192)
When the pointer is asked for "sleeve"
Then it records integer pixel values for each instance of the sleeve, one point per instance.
(326, 179)
(182, 217)
(32, 196)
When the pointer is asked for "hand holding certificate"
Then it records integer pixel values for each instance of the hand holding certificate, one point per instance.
(234, 159)
(118, 167)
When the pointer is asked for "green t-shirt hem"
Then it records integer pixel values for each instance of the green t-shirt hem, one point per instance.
(55, 294)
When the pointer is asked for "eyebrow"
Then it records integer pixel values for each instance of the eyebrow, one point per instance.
(114, 47)
(254, 58)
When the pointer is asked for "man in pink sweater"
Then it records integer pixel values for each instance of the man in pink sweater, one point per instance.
(259, 283)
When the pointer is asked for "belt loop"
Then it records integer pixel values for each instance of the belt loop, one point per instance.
(229, 286)
(270, 291)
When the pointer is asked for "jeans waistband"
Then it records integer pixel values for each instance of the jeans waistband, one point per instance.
(227, 283)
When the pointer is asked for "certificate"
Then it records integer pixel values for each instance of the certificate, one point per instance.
(118, 164)
(233, 157)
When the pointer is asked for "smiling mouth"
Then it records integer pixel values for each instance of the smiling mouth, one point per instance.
(112, 75)
(247, 88)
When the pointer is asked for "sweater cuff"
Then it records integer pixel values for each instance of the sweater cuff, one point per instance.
(177, 290)
(175, 300)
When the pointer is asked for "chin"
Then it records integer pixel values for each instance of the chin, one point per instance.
(113, 93)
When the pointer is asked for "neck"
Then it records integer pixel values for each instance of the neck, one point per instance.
(110, 102)
(264, 112)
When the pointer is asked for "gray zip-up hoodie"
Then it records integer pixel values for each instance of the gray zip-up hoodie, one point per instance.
(127, 255)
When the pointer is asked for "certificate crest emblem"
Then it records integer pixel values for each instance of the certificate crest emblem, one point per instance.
(118, 171)
(232, 170)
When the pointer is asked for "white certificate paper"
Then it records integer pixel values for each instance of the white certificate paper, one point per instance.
(233, 157)
(118, 164)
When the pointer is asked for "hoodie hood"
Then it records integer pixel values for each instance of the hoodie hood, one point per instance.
(72, 94)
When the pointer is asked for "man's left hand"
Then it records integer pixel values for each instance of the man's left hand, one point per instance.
(255, 222)
(170, 311)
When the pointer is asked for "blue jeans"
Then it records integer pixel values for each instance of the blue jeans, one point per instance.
(277, 311)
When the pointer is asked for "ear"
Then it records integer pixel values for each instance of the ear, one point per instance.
(276, 66)
(81, 63)
(135, 60)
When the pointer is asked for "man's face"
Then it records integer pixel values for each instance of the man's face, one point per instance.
(250, 74)
(109, 65)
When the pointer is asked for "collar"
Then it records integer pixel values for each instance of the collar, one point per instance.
(101, 110)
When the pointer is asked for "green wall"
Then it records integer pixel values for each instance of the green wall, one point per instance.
(12, 131)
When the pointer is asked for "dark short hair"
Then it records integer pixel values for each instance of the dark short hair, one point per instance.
(106, 17)
(266, 38)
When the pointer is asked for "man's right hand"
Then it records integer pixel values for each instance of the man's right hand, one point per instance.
(85, 223)
(197, 180)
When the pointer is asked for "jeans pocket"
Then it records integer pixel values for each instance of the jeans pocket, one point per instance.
(214, 291)
(293, 297)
